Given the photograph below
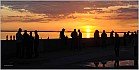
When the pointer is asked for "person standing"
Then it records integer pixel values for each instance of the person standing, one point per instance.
(111, 38)
(26, 44)
(19, 43)
(79, 39)
(96, 38)
(116, 48)
(74, 39)
(104, 38)
(31, 39)
(63, 38)
(36, 44)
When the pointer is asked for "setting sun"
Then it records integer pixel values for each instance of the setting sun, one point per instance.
(88, 30)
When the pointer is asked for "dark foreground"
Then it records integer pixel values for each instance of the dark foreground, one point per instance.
(67, 59)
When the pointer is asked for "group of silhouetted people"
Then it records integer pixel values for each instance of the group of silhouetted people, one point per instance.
(27, 45)
(75, 41)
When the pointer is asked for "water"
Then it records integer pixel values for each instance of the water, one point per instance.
(109, 64)
(51, 35)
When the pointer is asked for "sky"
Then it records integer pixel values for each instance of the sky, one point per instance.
(87, 15)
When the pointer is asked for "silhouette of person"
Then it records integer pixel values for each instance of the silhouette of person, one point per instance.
(116, 48)
(79, 39)
(31, 40)
(63, 38)
(135, 45)
(26, 44)
(36, 44)
(19, 43)
(124, 38)
(103, 38)
(74, 39)
(96, 38)
(111, 38)
(117, 44)
(132, 38)
(62, 35)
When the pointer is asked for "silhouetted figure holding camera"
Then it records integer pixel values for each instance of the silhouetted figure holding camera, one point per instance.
(103, 38)
(36, 44)
(96, 38)
(74, 40)
(19, 43)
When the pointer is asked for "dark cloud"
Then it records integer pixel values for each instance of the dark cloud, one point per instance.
(124, 10)
(63, 9)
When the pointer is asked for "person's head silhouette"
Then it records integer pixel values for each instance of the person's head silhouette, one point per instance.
(19, 30)
(25, 31)
(75, 30)
(63, 29)
(103, 31)
(78, 30)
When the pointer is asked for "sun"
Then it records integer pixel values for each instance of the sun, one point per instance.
(88, 30)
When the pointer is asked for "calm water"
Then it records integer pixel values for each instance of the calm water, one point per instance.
(52, 35)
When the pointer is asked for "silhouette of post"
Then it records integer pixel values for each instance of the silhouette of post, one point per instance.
(6, 37)
(11, 37)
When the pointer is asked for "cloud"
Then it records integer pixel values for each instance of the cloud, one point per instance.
(50, 11)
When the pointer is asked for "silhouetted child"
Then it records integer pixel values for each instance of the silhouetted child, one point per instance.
(19, 43)
(36, 44)
(104, 38)
(96, 38)
(74, 39)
